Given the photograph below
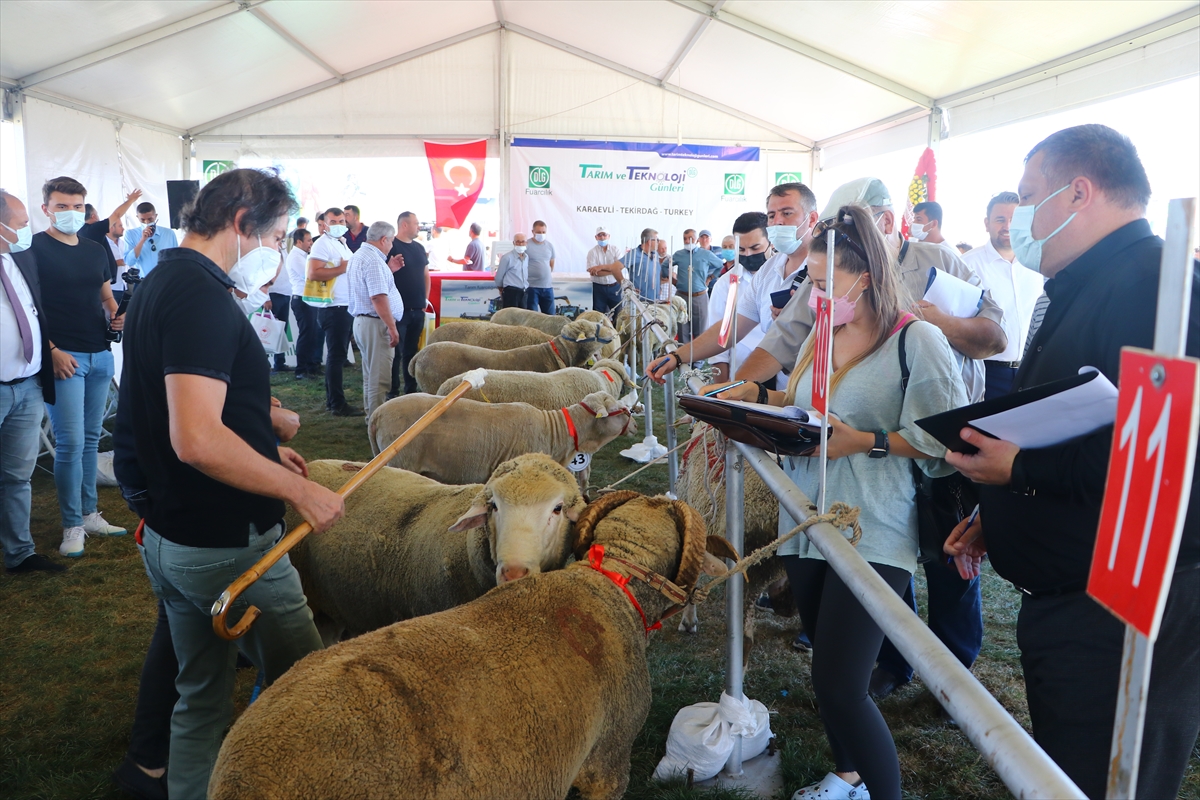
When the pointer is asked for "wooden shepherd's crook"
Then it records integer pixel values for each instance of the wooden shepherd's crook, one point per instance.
(225, 601)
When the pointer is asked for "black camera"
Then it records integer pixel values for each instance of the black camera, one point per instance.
(132, 276)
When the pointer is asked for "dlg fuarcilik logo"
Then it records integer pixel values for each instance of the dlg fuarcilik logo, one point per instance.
(788, 177)
(539, 177)
(735, 183)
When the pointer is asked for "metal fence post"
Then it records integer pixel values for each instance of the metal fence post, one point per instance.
(672, 437)
(734, 589)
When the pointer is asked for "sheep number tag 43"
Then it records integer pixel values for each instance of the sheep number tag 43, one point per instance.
(579, 462)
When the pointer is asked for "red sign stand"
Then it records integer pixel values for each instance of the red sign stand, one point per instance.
(1146, 497)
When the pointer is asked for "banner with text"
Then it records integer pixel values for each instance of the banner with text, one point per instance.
(576, 186)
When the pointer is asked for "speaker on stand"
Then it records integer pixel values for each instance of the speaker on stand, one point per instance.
(179, 194)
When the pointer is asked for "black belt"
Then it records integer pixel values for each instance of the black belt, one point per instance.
(1058, 591)
(15, 382)
(1008, 364)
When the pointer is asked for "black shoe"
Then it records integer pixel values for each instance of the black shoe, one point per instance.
(883, 683)
(36, 563)
(802, 642)
(282, 368)
(392, 395)
(134, 782)
(347, 410)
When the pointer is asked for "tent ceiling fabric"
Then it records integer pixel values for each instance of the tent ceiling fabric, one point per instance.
(586, 67)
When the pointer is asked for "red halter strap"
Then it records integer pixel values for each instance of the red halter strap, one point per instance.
(604, 372)
(571, 428)
(557, 354)
(595, 559)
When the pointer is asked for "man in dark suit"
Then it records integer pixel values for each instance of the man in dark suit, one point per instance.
(26, 382)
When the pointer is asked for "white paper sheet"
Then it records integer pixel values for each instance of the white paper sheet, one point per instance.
(1058, 418)
(953, 295)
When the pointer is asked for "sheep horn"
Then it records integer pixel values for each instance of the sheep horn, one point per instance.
(597, 510)
(221, 607)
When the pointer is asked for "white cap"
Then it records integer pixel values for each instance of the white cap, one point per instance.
(601, 229)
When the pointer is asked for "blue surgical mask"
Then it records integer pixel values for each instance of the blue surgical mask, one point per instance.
(1027, 249)
(68, 222)
(24, 239)
(727, 254)
(784, 238)
(337, 231)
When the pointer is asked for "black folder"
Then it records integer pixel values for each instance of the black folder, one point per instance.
(945, 427)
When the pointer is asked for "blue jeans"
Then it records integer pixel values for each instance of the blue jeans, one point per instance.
(188, 580)
(955, 617)
(20, 421)
(538, 299)
(606, 297)
(76, 416)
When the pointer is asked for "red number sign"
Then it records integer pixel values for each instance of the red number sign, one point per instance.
(1149, 482)
(821, 366)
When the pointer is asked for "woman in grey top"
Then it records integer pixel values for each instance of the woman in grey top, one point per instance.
(874, 437)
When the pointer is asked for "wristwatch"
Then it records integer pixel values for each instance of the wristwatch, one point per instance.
(882, 446)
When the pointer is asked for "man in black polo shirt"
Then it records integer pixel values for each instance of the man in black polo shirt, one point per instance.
(412, 280)
(196, 390)
(1082, 224)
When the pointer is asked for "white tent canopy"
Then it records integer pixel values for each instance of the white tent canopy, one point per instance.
(848, 79)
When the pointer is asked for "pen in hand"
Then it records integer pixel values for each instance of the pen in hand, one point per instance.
(723, 389)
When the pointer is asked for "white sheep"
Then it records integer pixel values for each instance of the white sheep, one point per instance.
(552, 324)
(701, 485)
(670, 316)
(409, 546)
(539, 686)
(489, 335)
(471, 439)
(548, 390)
(578, 342)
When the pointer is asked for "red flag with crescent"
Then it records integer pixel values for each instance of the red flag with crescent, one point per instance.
(457, 172)
(821, 356)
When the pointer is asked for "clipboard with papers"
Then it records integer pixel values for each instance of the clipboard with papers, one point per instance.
(1041, 416)
(786, 431)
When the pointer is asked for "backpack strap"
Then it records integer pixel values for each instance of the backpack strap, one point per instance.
(904, 373)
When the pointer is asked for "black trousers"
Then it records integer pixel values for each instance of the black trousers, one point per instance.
(606, 297)
(1071, 655)
(310, 339)
(512, 297)
(150, 742)
(336, 324)
(280, 306)
(410, 336)
(998, 379)
(845, 641)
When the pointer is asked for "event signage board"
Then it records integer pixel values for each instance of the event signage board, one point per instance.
(576, 186)
(212, 169)
(1149, 481)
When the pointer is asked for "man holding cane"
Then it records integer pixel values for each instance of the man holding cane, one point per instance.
(196, 389)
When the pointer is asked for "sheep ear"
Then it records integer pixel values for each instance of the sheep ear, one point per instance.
(475, 517)
(712, 566)
(718, 546)
(573, 511)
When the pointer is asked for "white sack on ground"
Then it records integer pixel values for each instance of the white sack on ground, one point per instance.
(701, 737)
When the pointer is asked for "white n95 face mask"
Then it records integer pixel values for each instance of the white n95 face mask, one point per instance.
(1027, 249)
(689, 246)
(252, 302)
(254, 269)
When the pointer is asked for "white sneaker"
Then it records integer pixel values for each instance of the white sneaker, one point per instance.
(832, 787)
(96, 525)
(72, 543)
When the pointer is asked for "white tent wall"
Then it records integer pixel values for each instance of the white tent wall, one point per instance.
(109, 158)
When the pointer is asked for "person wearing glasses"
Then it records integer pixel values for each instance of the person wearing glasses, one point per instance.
(874, 441)
(143, 244)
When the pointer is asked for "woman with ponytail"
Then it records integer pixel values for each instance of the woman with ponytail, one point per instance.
(870, 450)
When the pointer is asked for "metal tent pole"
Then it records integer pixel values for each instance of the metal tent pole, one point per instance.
(734, 589)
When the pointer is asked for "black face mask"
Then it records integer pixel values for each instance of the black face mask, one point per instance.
(753, 262)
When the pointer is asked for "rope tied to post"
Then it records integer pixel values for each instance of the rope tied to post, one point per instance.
(841, 516)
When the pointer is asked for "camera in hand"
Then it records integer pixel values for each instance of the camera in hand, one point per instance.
(132, 276)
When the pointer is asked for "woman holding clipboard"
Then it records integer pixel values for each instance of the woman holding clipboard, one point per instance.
(871, 446)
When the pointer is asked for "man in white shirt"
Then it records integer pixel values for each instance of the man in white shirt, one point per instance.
(1014, 288)
(439, 252)
(606, 292)
(309, 338)
(112, 239)
(327, 262)
(788, 223)
(376, 306)
(23, 374)
(512, 274)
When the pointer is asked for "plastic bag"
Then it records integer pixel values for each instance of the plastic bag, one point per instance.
(701, 737)
(430, 325)
(105, 476)
(271, 332)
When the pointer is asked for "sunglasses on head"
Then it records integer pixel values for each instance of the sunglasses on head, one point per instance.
(829, 224)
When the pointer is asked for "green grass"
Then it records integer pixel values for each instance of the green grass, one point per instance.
(72, 649)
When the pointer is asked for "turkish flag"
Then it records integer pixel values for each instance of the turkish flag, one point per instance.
(457, 172)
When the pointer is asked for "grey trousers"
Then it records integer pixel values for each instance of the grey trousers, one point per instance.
(371, 333)
(699, 322)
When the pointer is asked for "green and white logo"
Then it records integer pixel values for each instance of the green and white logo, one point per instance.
(214, 168)
(539, 177)
(788, 177)
(735, 183)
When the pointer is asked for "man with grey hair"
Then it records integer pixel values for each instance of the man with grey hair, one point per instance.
(376, 306)
(26, 381)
